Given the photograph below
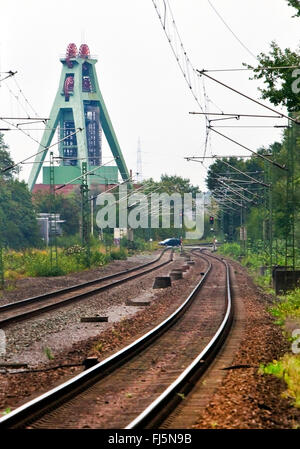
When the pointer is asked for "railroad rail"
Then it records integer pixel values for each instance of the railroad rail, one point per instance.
(158, 409)
(25, 308)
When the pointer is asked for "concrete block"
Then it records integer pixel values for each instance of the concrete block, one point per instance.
(176, 275)
(162, 282)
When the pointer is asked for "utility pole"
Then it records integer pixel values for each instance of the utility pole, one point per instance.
(243, 231)
(92, 216)
(85, 213)
(271, 224)
(52, 218)
(290, 201)
(230, 228)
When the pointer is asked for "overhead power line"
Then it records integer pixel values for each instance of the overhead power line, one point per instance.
(25, 98)
(112, 188)
(232, 32)
(241, 69)
(167, 21)
(217, 157)
(17, 99)
(252, 151)
(252, 126)
(25, 118)
(10, 73)
(195, 159)
(237, 116)
(10, 167)
(85, 174)
(234, 191)
(19, 129)
(249, 98)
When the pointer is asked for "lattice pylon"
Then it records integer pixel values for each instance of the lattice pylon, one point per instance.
(71, 99)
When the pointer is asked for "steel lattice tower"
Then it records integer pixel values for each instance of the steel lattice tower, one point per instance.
(79, 113)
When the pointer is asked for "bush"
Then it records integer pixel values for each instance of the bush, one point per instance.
(230, 250)
(288, 305)
(136, 245)
(40, 266)
(68, 241)
(119, 254)
(99, 259)
(72, 258)
(75, 249)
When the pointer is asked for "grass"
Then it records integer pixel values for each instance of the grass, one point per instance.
(287, 369)
(287, 306)
(48, 353)
(253, 260)
(71, 259)
(37, 263)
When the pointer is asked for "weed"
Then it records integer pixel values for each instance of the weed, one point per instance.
(288, 305)
(181, 395)
(287, 369)
(99, 347)
(279, 322)
(48, 353)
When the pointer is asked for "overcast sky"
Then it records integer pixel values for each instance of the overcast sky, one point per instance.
(143, 88)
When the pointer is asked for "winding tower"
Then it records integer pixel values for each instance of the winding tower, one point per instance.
(80, 115)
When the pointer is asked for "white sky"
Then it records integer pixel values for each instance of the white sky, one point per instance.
(143, 88)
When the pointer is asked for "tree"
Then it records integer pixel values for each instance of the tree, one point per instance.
(6, 161)
(279, 82)
(281, 88)
(168, 184)
(18, 224)
(282, 84)
(69, 208)
(295, 4)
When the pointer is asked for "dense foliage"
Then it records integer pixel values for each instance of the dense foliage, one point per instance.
(69, 208)
(282, 84)
(262, 202)
(267, 209)
(18, 225)
(168, 184)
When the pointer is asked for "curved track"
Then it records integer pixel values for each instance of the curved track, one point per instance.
(160, 409)
(149, 376)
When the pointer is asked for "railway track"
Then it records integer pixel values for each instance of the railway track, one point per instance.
(29, 307)
(147, 378)
(158, 413)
